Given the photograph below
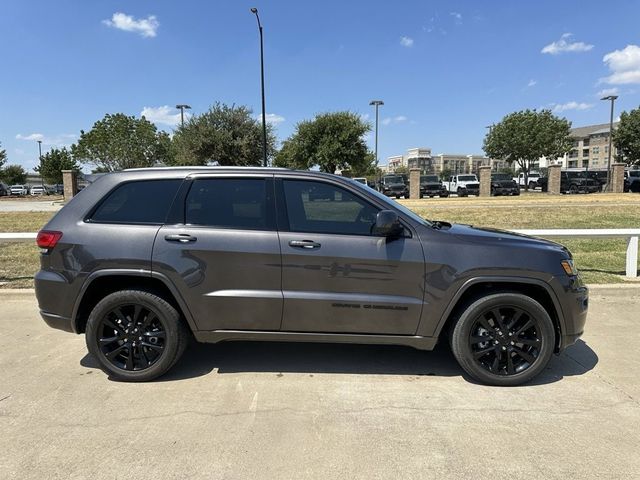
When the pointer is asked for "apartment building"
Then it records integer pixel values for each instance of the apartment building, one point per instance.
(423, 159)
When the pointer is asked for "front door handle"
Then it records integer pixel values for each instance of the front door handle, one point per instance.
(306, 244)
(180, 237)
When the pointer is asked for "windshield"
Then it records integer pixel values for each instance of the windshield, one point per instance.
(467, 178)
(501, 176)
(393, 179)
(429, 178)
(634, 173)
(394, 205)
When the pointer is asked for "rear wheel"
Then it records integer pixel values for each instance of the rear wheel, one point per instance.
(461, 192)
(573, 189)
(503, 339)
(136, 336)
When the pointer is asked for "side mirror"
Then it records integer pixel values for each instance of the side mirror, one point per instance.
(387, 224)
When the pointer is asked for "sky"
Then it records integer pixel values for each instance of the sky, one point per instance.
(444, 69)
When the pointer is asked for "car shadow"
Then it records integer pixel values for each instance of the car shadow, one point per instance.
(314, 358)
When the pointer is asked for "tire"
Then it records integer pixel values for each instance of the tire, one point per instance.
(397, 197)
(165, 333)
(573, 189)
(536, 353)
(460, 192)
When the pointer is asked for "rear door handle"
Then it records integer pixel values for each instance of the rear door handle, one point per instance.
(306, 244)
(181, 238)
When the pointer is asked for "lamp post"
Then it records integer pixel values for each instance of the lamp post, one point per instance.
(376, 103)
(182, 108)
(612, 98)
(264, 114)
(40, 160)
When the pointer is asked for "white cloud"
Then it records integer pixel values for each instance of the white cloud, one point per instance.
(61, 140)
(146, 27)
(164, 115)
(272, 118)
(607, 91)
(532, 83)
(406, 42)
(563, 107)
(624, 65)
(565, 45)
(457, 17)
(394, 120)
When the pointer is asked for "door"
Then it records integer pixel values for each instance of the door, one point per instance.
(224, 255)
(336, 275)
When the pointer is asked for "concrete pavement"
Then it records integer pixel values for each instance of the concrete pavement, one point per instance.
(249, 410)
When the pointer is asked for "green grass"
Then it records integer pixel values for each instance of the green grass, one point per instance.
(600, 261)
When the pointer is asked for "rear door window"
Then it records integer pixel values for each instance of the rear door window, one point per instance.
(138, 202)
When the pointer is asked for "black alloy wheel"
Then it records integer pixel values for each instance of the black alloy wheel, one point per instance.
(131, 337)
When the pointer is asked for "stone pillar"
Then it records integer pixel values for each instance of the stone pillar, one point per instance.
(484, 172)
(553, 179)
(617, 178)
(414, 183)
(69, 183)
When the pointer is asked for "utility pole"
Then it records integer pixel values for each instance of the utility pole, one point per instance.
(264, 114)
(40, 160)
(612, 98)
(182, 108)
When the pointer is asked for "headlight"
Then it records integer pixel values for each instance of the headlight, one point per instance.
(569, 268)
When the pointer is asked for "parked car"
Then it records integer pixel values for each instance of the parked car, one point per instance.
(4, 190)
(431, 186)
(144, 259)
(394, 186)
(503, 184)
(532, 180)
(573, 182)
(463, 185)
(38, 190)
(19, 190)
(633, 179)
(600, 176)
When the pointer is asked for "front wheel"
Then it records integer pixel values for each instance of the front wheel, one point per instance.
(573, 189)
(503, 339)
(135, 335)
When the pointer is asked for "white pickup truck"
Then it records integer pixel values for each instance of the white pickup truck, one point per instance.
(463, 185)
(533, 179)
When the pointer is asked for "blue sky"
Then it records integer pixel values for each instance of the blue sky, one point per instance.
(445, 69)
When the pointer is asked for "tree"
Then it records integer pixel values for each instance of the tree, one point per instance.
(3, 156)
(13, 174)
(119, 141)
(523, 137)
(330, 141)
(53, 162)
(627, 137)
(226, 135)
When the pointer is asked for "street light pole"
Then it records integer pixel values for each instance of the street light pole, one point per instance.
(376, 103)
(264, 114)
(40, 160)
(612, 98)
(182, 108)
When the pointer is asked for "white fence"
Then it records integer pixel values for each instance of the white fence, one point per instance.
(631, 234)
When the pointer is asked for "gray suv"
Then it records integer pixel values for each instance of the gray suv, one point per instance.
(143, 260)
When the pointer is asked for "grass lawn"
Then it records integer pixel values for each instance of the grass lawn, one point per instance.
(600, 261)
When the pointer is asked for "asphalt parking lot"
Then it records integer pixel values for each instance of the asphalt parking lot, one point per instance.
(249, 410)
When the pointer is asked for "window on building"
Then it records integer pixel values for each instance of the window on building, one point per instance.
(585, 142)
(585, 152)
(595, 150)
(585, 163)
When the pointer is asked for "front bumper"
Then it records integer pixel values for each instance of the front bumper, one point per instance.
(575, 305)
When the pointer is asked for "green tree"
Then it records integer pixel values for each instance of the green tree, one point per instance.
(53, 162)
(627, 137)
(330, 141)
(119, 141)
(226, 135)
(3, 156)
(13, 174)
(523, 137)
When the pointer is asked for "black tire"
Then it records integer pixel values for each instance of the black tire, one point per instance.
(162, 321)
(475, 324)
(573, 189)
(460, 192)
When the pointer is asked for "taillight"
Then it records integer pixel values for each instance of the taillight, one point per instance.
(48, 239)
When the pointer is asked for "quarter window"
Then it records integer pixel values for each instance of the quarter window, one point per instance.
(229, 203)
(318, 207)
(135, 202)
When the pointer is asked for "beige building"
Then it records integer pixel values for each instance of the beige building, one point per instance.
(423, 159)
(590, 148)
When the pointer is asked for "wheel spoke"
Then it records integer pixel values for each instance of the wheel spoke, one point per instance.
(107, 340)
(515, 319)
(158, 334)
(531, 342)
(157, 348)
(485, 324)
(477, 339)
(149, 318)
(510, 368)
(498, 318)
(483, 352)
(527, 356)
(496, 361)
(136, 312)
(121, 316)
(113, 325)
(525, 327)
(129, 364)
(114, 353)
